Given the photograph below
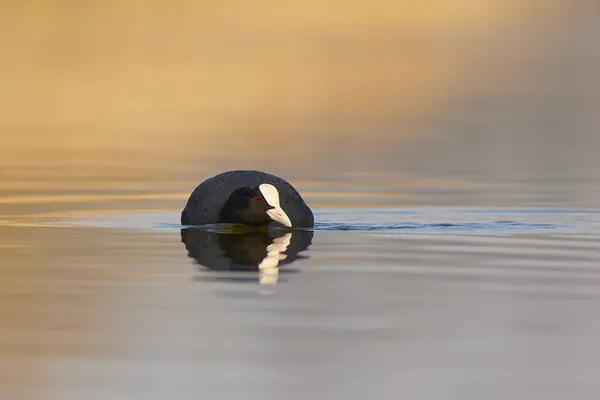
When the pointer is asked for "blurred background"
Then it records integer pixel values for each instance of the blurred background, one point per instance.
(113, 107)
(156, 96)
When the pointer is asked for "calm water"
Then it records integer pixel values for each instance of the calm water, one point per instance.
(450, 155)
(374, 301)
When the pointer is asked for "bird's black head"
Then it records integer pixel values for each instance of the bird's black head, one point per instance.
(254, 206)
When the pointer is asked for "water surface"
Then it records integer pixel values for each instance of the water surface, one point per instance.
(113, 303)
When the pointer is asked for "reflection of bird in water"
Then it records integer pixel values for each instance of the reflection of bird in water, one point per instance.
(255, 251)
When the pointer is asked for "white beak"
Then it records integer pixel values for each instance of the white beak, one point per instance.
(271, 196)
(277, 214)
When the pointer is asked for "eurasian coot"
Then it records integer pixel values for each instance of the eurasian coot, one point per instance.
(246, 197)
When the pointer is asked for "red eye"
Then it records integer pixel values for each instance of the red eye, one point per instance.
(256, 198)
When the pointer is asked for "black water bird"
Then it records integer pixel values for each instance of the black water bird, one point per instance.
(246, 197)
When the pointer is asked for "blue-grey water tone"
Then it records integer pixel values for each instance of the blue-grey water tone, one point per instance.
(375, 301)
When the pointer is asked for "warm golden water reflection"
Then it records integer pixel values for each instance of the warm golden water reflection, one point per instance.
(119, 90)
(119, 107)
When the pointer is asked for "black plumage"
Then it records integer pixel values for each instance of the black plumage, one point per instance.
(212, 202)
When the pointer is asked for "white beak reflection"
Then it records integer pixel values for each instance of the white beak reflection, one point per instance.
(268, 268)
